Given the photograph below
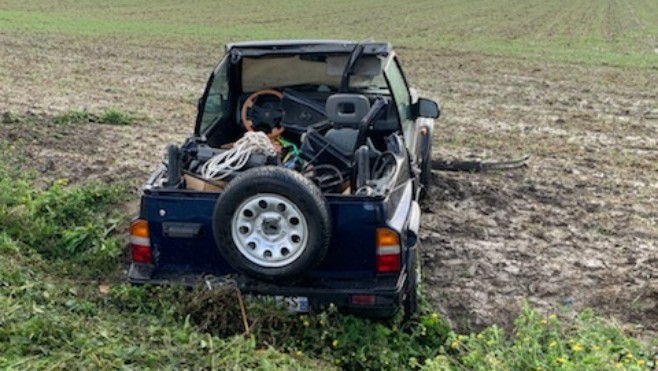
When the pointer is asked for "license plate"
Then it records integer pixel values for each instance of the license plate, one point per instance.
(298, 304)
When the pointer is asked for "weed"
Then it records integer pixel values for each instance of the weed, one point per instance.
(349, 342)
(62, 223)
(75, 117)
(343, 340)
(115, 116)
(111, 116)
(53, 326)
(11, 118)
(545, 343)
(51, 319)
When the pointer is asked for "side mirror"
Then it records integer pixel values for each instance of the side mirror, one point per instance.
(427, 108)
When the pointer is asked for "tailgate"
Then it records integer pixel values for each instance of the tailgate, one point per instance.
(180, 225)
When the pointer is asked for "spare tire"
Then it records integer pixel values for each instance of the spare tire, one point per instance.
(272, 223)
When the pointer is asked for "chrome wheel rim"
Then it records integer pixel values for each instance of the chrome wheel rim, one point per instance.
(269, 230)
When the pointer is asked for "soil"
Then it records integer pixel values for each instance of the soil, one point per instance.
(577, 228)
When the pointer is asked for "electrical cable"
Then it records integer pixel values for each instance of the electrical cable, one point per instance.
(224, 164)
(292, 157)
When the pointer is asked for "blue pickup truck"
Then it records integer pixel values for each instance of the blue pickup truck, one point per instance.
(302, 180)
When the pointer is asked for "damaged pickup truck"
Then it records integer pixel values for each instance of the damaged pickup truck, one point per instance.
(302, 180)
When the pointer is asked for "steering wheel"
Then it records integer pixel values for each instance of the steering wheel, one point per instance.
(266, 114)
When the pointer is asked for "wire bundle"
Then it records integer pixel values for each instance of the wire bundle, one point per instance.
(225, 163)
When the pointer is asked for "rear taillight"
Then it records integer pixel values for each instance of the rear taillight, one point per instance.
(388, 251)
(140, 242)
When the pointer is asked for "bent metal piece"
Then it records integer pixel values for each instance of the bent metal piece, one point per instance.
(249, 102)
(479, 166)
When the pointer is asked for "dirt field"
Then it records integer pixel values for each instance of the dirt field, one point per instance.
(577, 228)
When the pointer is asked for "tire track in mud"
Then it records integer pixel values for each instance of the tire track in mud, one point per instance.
(490, 243)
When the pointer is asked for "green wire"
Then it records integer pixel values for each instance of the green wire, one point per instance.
(295, 150)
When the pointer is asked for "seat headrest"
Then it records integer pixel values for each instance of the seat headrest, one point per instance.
(347, 108)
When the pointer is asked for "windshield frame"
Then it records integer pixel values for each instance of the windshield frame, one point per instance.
(233, 62)
(201, 105)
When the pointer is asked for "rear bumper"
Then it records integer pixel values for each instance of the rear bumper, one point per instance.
(388, 292)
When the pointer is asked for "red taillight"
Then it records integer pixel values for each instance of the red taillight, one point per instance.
(140, 242)
(388, 263)
(388, 251)
(142, 254)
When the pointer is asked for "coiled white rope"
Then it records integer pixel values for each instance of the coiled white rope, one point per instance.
(225, 163)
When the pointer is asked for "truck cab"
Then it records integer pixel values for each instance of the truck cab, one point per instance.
(302, 180)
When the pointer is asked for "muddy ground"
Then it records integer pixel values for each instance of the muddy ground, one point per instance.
(577, 228)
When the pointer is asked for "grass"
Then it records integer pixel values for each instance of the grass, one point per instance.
(67, 225)
(57, 245)
(111, 116)
(62, 305)
(601, 32)
(546, 343)
(12, 118)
